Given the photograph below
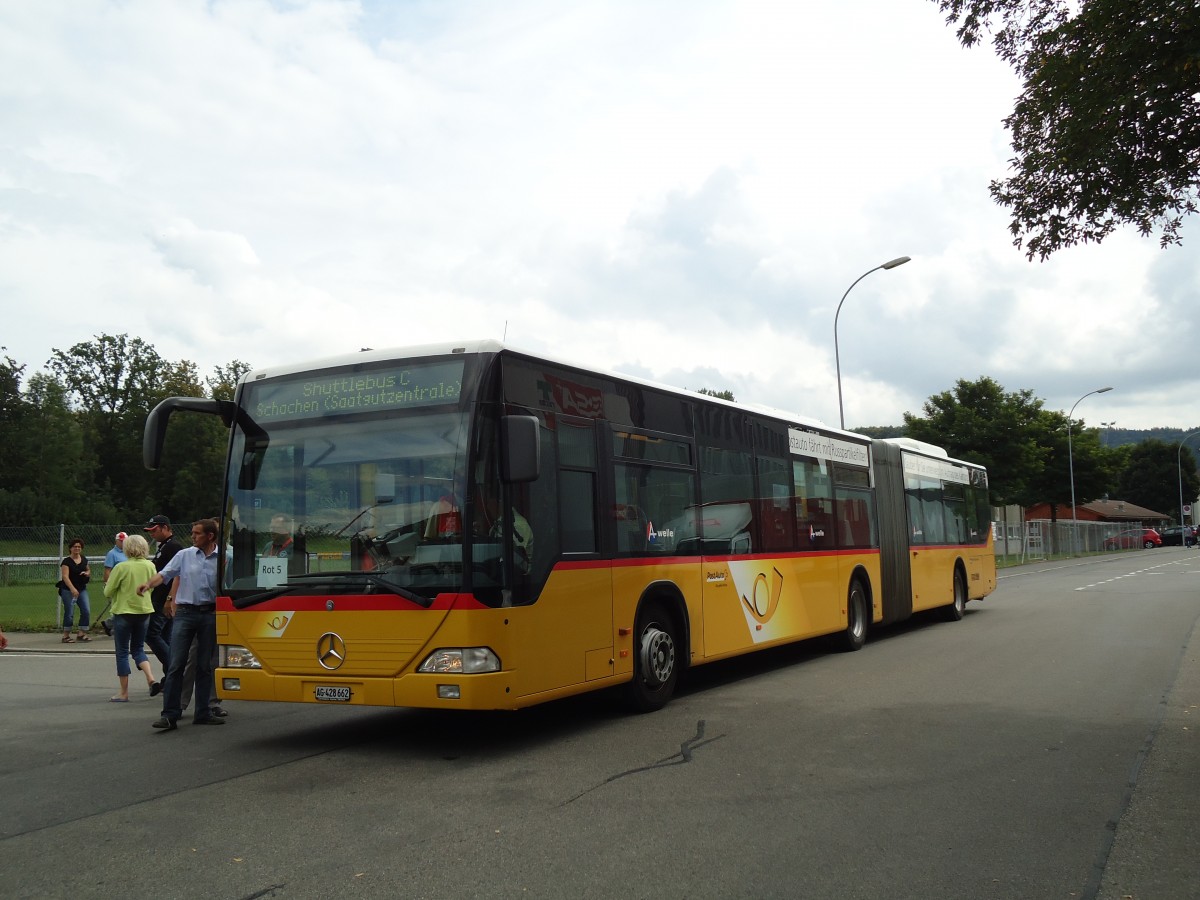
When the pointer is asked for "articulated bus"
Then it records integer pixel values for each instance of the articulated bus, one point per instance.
(476, 527)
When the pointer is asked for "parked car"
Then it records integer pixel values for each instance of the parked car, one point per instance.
(1178, 536)
(1133, 537)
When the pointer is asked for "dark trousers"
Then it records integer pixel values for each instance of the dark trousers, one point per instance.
(158, 637)
(190, 623)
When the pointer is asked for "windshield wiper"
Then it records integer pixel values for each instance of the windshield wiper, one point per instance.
(300, 582)
(361, 513)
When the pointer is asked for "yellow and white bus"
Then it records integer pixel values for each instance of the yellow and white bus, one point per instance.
(474, 527)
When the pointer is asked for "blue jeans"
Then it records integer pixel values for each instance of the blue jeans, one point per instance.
(129, 633)
(85, 609)
(190, 623)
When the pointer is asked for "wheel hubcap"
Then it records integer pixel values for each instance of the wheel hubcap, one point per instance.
(658, 656)
(858, 625)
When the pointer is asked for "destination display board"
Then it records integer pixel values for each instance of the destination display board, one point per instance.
(321, 394)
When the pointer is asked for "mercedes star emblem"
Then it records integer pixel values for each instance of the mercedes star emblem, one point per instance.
(331, 650)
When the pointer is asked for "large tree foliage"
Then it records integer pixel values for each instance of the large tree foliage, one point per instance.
(1024, 446)
(41, 453)
(1106, 129)
(979, 422)
(113, 381)
(1155, 475)
(72, 436)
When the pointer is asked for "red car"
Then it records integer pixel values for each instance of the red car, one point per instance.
(1133, 537)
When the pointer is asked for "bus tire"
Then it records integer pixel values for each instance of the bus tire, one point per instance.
(656, 659)
(857, 617)
(955, 610)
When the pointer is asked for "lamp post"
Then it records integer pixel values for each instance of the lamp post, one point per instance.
(1179, 471)
(890, 264)
(1071, 465)
(1106, 426)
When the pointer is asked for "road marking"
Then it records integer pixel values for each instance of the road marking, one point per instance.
(1149, 570)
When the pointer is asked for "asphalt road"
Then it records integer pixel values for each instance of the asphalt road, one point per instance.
(1039, 748)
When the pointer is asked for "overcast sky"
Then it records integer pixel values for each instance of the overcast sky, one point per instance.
(677, 190)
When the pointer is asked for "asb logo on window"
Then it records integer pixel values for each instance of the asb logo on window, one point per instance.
(654, 537)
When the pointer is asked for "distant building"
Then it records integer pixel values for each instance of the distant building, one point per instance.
(1116, 511)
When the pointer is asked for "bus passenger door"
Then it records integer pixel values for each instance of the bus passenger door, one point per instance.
(565, 637)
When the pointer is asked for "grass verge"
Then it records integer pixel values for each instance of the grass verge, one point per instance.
(33, 607)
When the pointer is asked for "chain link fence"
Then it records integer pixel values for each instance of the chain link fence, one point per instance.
(29, 568)
(1019, 541)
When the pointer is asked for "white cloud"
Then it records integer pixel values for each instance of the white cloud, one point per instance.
(683, 190)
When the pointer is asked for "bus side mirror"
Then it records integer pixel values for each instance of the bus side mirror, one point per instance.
(520, 448)
(155, 433)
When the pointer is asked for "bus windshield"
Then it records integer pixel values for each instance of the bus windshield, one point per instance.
(352, 504)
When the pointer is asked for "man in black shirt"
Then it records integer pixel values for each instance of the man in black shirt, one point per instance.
(158, 631)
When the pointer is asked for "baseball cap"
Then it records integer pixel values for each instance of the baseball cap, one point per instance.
(156, 520)
(121, 536)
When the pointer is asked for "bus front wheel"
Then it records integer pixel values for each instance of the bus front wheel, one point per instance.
(656, 659)
(955, 610)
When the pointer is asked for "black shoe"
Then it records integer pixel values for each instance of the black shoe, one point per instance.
(165, 723)
(218, 712)
(107, 626)
(156, 689)
(208, 720)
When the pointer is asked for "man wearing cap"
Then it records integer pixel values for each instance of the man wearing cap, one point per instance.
(194, 610)
(158, 629)
(111, 558)
(115, 555)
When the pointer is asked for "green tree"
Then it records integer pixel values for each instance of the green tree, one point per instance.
(111, 373)
(56, 468)
(189, 480)
(113, 381)
(1076, 460)
(50, 483)
(722, 395)
(1106, 129)
(1023, 445)
(980, 422)
(13, 410)
(1153, 473)
(223, 381)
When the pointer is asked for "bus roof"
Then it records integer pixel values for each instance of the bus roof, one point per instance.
(490, 346)
(915, 446)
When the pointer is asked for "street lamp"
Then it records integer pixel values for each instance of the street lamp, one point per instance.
(890, 264)
(1179, 471)
(1071, 465)
(1106, 426)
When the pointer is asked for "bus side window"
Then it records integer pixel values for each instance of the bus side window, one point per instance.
(855, 521)
(814, 505)
(577, 485)
(776, 517)
(631, 528)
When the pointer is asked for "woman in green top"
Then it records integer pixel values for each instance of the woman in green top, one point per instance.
(131, 613)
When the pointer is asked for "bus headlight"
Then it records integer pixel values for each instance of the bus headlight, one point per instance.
(235, 657)
(461, 661)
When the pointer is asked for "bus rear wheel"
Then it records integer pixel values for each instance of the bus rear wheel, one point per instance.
(855, 634)
(656, 659)
(955, 610)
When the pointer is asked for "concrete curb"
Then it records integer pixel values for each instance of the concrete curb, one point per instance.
(51, 642)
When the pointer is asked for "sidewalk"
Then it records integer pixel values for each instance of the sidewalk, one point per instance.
(51, 642)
